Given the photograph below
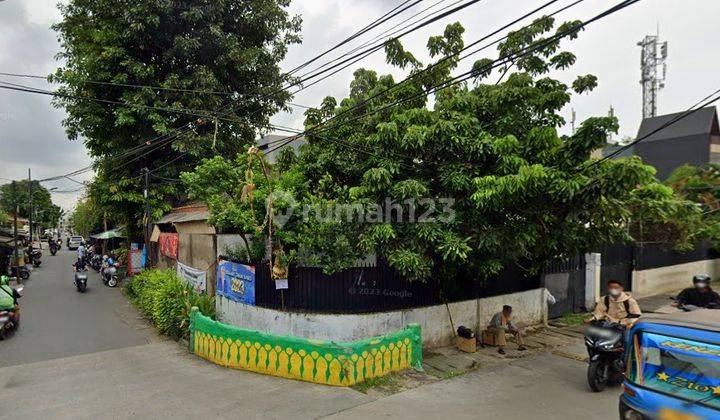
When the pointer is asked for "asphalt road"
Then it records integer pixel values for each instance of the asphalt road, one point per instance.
(57, 321)
(91, 356)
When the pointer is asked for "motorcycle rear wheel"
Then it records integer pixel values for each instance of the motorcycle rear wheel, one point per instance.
(597, 375)
(24, 275)
(112, 282)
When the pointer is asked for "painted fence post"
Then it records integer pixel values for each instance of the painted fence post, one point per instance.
(191, 338)
(593, 264)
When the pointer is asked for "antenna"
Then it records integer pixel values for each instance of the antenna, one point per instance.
(652, 58)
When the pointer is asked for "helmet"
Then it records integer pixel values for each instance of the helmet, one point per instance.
(701, 278)
(110, 261)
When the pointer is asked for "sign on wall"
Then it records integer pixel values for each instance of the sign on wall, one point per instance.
(169, 244)
(196, 278)
(236, 282)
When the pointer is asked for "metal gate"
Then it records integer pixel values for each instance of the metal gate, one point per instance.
(618, 262)
(565, 280)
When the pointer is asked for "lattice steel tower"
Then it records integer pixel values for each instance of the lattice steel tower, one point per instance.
(650, 60)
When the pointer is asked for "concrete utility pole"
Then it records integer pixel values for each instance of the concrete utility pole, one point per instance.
(30, 210)
(650, 60)
(15, 235)
(146, 222)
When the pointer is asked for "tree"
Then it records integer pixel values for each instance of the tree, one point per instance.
(86, 218)
(205, 59)
(701, 185)
(46, 214)
(485, 162)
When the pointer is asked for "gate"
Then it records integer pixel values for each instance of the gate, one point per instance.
(618, 262)
(565, 280)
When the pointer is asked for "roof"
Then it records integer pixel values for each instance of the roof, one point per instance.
(708, 319)
(190, 213)
(702, 122)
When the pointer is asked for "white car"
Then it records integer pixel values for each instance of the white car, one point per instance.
(75, 242)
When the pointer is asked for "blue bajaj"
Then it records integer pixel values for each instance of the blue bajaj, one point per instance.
(673, 368)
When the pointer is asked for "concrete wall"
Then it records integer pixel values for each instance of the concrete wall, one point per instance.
(530, 309)
(661, 280)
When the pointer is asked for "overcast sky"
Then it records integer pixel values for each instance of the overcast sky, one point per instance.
(31, 134)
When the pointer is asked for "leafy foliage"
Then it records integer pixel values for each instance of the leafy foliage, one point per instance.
(485, 161)
(217, 55)
(166, 300)
(701, 185)
(46, 215)
(86, 218)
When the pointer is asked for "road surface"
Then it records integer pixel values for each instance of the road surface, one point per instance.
(91, 356)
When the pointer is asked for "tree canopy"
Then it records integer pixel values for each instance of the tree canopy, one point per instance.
(177, 66)
(701, 185)
(482, 158)
(46, 214)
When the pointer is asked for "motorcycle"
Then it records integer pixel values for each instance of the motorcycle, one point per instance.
(96, 262)
(20, 272)
(605, 346)
(81, 280)
(10, 317)
(53, 248)
(35, 256)
(109, 272)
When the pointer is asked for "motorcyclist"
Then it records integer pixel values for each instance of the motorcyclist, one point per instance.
(617, 306)
(80, 265)
(7, 294)
(701, 295)
(81, 252)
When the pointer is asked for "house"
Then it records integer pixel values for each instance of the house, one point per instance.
(693, 140)
(271, 141)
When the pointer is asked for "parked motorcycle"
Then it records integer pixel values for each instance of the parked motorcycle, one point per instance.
(35, 257)
(21, 272)
(96, 262)
(604, 342)
(81, 280)
(110, 273)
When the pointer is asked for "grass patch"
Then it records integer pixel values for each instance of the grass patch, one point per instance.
(388, 383)
(572, 320)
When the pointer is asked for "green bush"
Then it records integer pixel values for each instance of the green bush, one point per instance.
(166, 300)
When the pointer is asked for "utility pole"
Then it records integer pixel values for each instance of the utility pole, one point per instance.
(15, 235)
(30, 211)
(650, 60)
(572, 120)
(146, 221)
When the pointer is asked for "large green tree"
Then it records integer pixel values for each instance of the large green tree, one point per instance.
(701, 185)
(483, 159)
(206, 58)
(46, 214)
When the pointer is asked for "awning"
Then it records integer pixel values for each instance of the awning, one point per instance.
(109, 234)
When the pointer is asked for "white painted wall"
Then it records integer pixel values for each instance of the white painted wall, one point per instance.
(530, 308)
(656, 281)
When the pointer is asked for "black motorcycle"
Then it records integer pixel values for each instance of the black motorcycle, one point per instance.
(53, 248)
(81, 280)
(605, 345)
(35, 257)
(21, 272)
(96, 262)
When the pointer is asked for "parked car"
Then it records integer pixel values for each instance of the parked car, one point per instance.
(75, 241)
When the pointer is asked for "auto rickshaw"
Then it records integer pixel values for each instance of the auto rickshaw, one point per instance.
(673, 367)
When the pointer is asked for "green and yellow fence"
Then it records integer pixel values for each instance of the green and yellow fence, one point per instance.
(322, 362)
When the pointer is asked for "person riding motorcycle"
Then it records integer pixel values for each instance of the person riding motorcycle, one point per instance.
(9, 297)
(80, 265)
(701, 295)
(617, 306)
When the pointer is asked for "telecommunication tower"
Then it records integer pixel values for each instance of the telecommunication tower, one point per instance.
(652, 57)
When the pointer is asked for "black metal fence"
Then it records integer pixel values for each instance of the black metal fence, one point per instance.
(377, 288)
(654, 256)
(565, 280)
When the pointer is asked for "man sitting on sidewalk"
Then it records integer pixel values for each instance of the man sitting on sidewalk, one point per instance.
(500, 323)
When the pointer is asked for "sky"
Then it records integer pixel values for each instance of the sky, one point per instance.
(32, 135)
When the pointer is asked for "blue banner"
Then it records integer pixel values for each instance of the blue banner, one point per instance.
(236, 282)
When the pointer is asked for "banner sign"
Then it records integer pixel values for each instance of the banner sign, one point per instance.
(169, 244)
(197, 278)
(236, 282)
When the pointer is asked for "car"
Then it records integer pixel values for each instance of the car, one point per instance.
(75, 241)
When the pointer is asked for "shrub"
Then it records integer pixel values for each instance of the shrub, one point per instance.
(165, 299)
